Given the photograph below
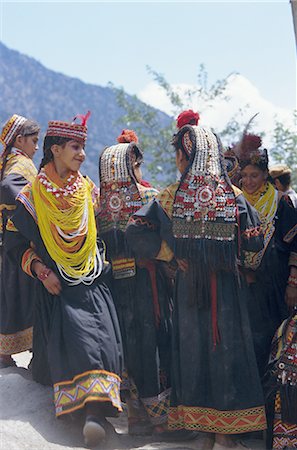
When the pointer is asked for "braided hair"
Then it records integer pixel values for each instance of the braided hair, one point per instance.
(49, 141)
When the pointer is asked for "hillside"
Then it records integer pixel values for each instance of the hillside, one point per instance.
(30, 89)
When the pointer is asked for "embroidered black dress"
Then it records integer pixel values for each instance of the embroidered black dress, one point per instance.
(266, 291)
(76, 341)
(140, 289)
(203, 219)
(16, 287)
(215, 389)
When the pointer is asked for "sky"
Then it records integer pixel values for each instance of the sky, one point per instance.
(101, 42)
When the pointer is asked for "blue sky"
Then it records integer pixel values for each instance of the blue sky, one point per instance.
(100, 42)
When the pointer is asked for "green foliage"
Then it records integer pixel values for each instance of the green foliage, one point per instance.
(155, 134)
(284, 149)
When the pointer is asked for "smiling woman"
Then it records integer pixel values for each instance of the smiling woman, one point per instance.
(76, 342)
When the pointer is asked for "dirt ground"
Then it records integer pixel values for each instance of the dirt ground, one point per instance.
(27, 420)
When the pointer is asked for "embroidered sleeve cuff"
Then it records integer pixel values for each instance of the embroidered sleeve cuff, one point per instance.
(293, 259)
(28, 257)
(165, 253)
(291, 234)
(251, 232)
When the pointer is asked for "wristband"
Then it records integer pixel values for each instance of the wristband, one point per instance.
(292, 281)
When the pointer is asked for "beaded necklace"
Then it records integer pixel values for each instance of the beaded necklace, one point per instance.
(67, 224)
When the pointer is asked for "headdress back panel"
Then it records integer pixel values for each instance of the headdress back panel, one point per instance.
(204, 210)
(119, 195)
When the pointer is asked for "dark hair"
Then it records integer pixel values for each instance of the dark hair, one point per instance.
(176, 141)
(137, 153)
(48, 142)
(29, 128)
(284, 179)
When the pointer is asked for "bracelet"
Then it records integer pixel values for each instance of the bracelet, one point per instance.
(44, 274)
(292, 281)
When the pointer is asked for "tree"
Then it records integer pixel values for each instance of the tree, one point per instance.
(284, 149)
(155, 129)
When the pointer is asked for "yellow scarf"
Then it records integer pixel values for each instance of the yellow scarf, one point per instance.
(66, 222)
(265, 200)
(19, 163)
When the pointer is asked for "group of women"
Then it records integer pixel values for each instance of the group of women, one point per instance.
(166, 300)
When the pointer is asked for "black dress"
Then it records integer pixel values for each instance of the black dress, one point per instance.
(266, 293)
(143, 301)
(76, 343)
(215, 385)
(16, 287)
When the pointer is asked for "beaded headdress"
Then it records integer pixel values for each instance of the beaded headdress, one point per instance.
(119, 195)
(77, 132)
(204, 210)
(11, 129)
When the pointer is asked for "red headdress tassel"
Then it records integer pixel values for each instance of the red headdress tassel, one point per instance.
(127, 136)
(188, 117)
(83, 118)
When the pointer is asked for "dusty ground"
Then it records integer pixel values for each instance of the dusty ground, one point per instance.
(27, 420)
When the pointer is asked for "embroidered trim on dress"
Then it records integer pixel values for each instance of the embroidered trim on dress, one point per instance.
(215, 421)
(28, 257)
(157, 407)
(94, 385)
(10, 344)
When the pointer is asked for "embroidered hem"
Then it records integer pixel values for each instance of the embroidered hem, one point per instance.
(284, 434)
(95, 385)
(10, 344)
(215, 421)
(157, 407)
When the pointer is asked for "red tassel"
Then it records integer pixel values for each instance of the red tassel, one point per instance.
(214, 311)
(151, 267)
(83, 118)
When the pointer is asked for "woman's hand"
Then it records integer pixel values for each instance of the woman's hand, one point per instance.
(183, 264)
(48, 278)
(291, 296)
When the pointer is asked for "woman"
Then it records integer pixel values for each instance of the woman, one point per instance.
(197, 221)
(19, 137)
(271, 272)
(140, 288)
(77, 344)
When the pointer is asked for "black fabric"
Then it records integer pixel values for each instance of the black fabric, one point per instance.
(266, 295)
(17, 294)
(147, 347)
(74, 332)
(204, 375)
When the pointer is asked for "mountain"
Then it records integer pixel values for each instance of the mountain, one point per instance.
(241, 100)
(29, 89)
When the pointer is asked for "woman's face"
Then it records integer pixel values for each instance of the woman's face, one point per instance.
(253, 178)
(69, 156)
(28, 144)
